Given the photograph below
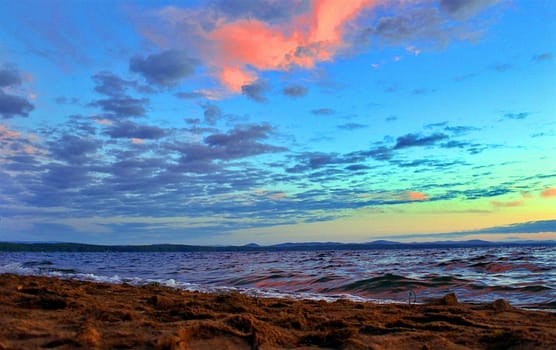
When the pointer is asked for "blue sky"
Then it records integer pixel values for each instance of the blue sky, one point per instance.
(237, 121)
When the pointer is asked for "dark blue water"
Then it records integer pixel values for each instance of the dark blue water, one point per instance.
(525, 276)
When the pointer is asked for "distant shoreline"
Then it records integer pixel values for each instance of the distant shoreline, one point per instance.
(82, 247)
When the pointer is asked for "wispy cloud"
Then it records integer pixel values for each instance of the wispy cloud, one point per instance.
(499, 204)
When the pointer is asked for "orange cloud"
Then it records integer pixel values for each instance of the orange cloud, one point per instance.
(103, 121)
(243, 45)
(416, 196)
(137, 141)
(278, 195)
(498, 204)
(6, 133)
(14, 142)
(549, 192)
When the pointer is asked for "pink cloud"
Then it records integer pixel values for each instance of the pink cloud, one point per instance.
(6, 133)
(549, 192)
(416, 196)
(103, 121)
(15, 142)
(278, 195)
(234, 49)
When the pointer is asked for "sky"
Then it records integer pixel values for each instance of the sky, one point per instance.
(270, 121)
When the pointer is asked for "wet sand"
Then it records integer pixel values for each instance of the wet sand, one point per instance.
(42, 312)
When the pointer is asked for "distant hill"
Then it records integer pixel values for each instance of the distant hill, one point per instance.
(380, 244)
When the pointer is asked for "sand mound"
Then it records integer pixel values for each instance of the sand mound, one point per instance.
(40, 312)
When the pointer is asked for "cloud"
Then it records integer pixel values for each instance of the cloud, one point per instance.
(14, 144)
(164, 69)
(417, 196)
(414, 140)
(211, 113)
(421, 24)
(264, 10)
(498, 204)
(122, 106)
(547, 56)
(525, 227)
(412, 24)
(12, 106)
(73, 149)
(521, 115)
(463, 9)
(549, 192)
(322, 111)
(240, 142)
(255, 90)
(128, 129)
(351, 126)
(110, 84)
(9, 77)
(501, 67)
(295, 91)
(62, 100)
(238, 39)
(530, 227)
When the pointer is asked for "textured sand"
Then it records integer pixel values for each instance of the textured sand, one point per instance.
(41, 312)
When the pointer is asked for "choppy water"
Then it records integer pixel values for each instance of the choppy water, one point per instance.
(525, 276)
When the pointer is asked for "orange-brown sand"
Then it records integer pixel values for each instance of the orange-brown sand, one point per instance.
(41, 312)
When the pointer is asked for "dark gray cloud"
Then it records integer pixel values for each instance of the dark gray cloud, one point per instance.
(463, 9)
(547, 56)
(128, 129)
(295, 91)
(460, 129)
(256, 90)
(435, 125)
(62, 176)
(357, 167)
(164, 69)
(122, 106)
(240, 135)
(391, 118)
(414, 140)
(240, 142)
(501, 67)
(521, 115)
(265, 10)
(426, 25)
(110, 84)
(190, 95)
(62, 100)
(211, 113)
(9, 77)
(415, 24)
(73, 149)
(322, 111)
(524, 227)
(12, 106)
(351, 126)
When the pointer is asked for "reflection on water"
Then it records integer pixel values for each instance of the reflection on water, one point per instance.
(525, 276)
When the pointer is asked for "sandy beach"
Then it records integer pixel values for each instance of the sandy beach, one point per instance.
(43, 312)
